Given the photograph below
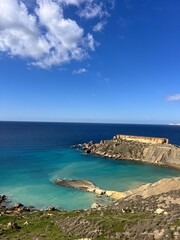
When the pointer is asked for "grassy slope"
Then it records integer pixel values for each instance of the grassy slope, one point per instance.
(43, 225)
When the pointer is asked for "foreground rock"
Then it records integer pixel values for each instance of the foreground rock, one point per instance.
(136, 218)
(80, 184)
(151, 211)
(137, 149)
(88, 186)
(18, 208)
(3, 200)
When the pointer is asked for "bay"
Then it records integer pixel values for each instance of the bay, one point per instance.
(32, 154)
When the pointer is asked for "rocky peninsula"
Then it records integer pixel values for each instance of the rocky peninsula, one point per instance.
(143, 149)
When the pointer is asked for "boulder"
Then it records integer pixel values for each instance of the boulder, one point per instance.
(2, 198)
(95, 205)
(159, 211)
(12, 225)
(18, 205)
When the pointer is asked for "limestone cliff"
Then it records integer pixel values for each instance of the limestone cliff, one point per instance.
(118, 148)
(152, 140)
(159, 187)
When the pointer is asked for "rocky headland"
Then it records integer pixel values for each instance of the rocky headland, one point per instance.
(143, 149)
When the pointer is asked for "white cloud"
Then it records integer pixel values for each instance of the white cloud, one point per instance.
(19, 34)
(91, 42)
(38, 31)
(74, 2)
(99, 26)
(45, 37)
(93, 10)
(175, 97)
(64, 33)
(80, 71)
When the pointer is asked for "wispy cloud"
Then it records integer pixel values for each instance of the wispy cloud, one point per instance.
(99, 26)
(44, 36)
(73, 2)
(93, 10)
(80, 71)
(112, 2)
(175, 97)
(101, 79)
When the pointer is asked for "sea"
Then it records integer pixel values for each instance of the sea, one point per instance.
(33, 154)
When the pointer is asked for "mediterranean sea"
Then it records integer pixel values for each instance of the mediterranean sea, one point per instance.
(33, 154)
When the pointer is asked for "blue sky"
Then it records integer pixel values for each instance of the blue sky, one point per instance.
(90, 61)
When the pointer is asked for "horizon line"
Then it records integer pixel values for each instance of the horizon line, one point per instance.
(80, 122)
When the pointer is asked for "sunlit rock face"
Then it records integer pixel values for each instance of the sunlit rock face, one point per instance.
(144, 149)
(152, 140)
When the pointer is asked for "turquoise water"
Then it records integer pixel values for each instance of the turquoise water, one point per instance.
(29, 164)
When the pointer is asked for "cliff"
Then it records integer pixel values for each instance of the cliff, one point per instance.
(147, 150)
(160, 187)
(152, 140)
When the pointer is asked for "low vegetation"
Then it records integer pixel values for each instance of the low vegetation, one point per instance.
(47, 224)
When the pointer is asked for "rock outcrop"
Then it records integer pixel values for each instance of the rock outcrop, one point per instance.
(80, 184)
(140, 150)
(145, 190)
(88, 186)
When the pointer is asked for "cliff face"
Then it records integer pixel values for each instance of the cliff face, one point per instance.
(159, 187)
(164, 155)
(161, 154)
(152, 140)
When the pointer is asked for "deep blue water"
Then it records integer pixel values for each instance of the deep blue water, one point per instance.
(32, 154)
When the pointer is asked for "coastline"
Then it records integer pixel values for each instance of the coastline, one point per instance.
(152, 213)
(145, 190)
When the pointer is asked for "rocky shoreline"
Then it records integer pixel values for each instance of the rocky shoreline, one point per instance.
(160, 153)
(151, 212)
(145, 190)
